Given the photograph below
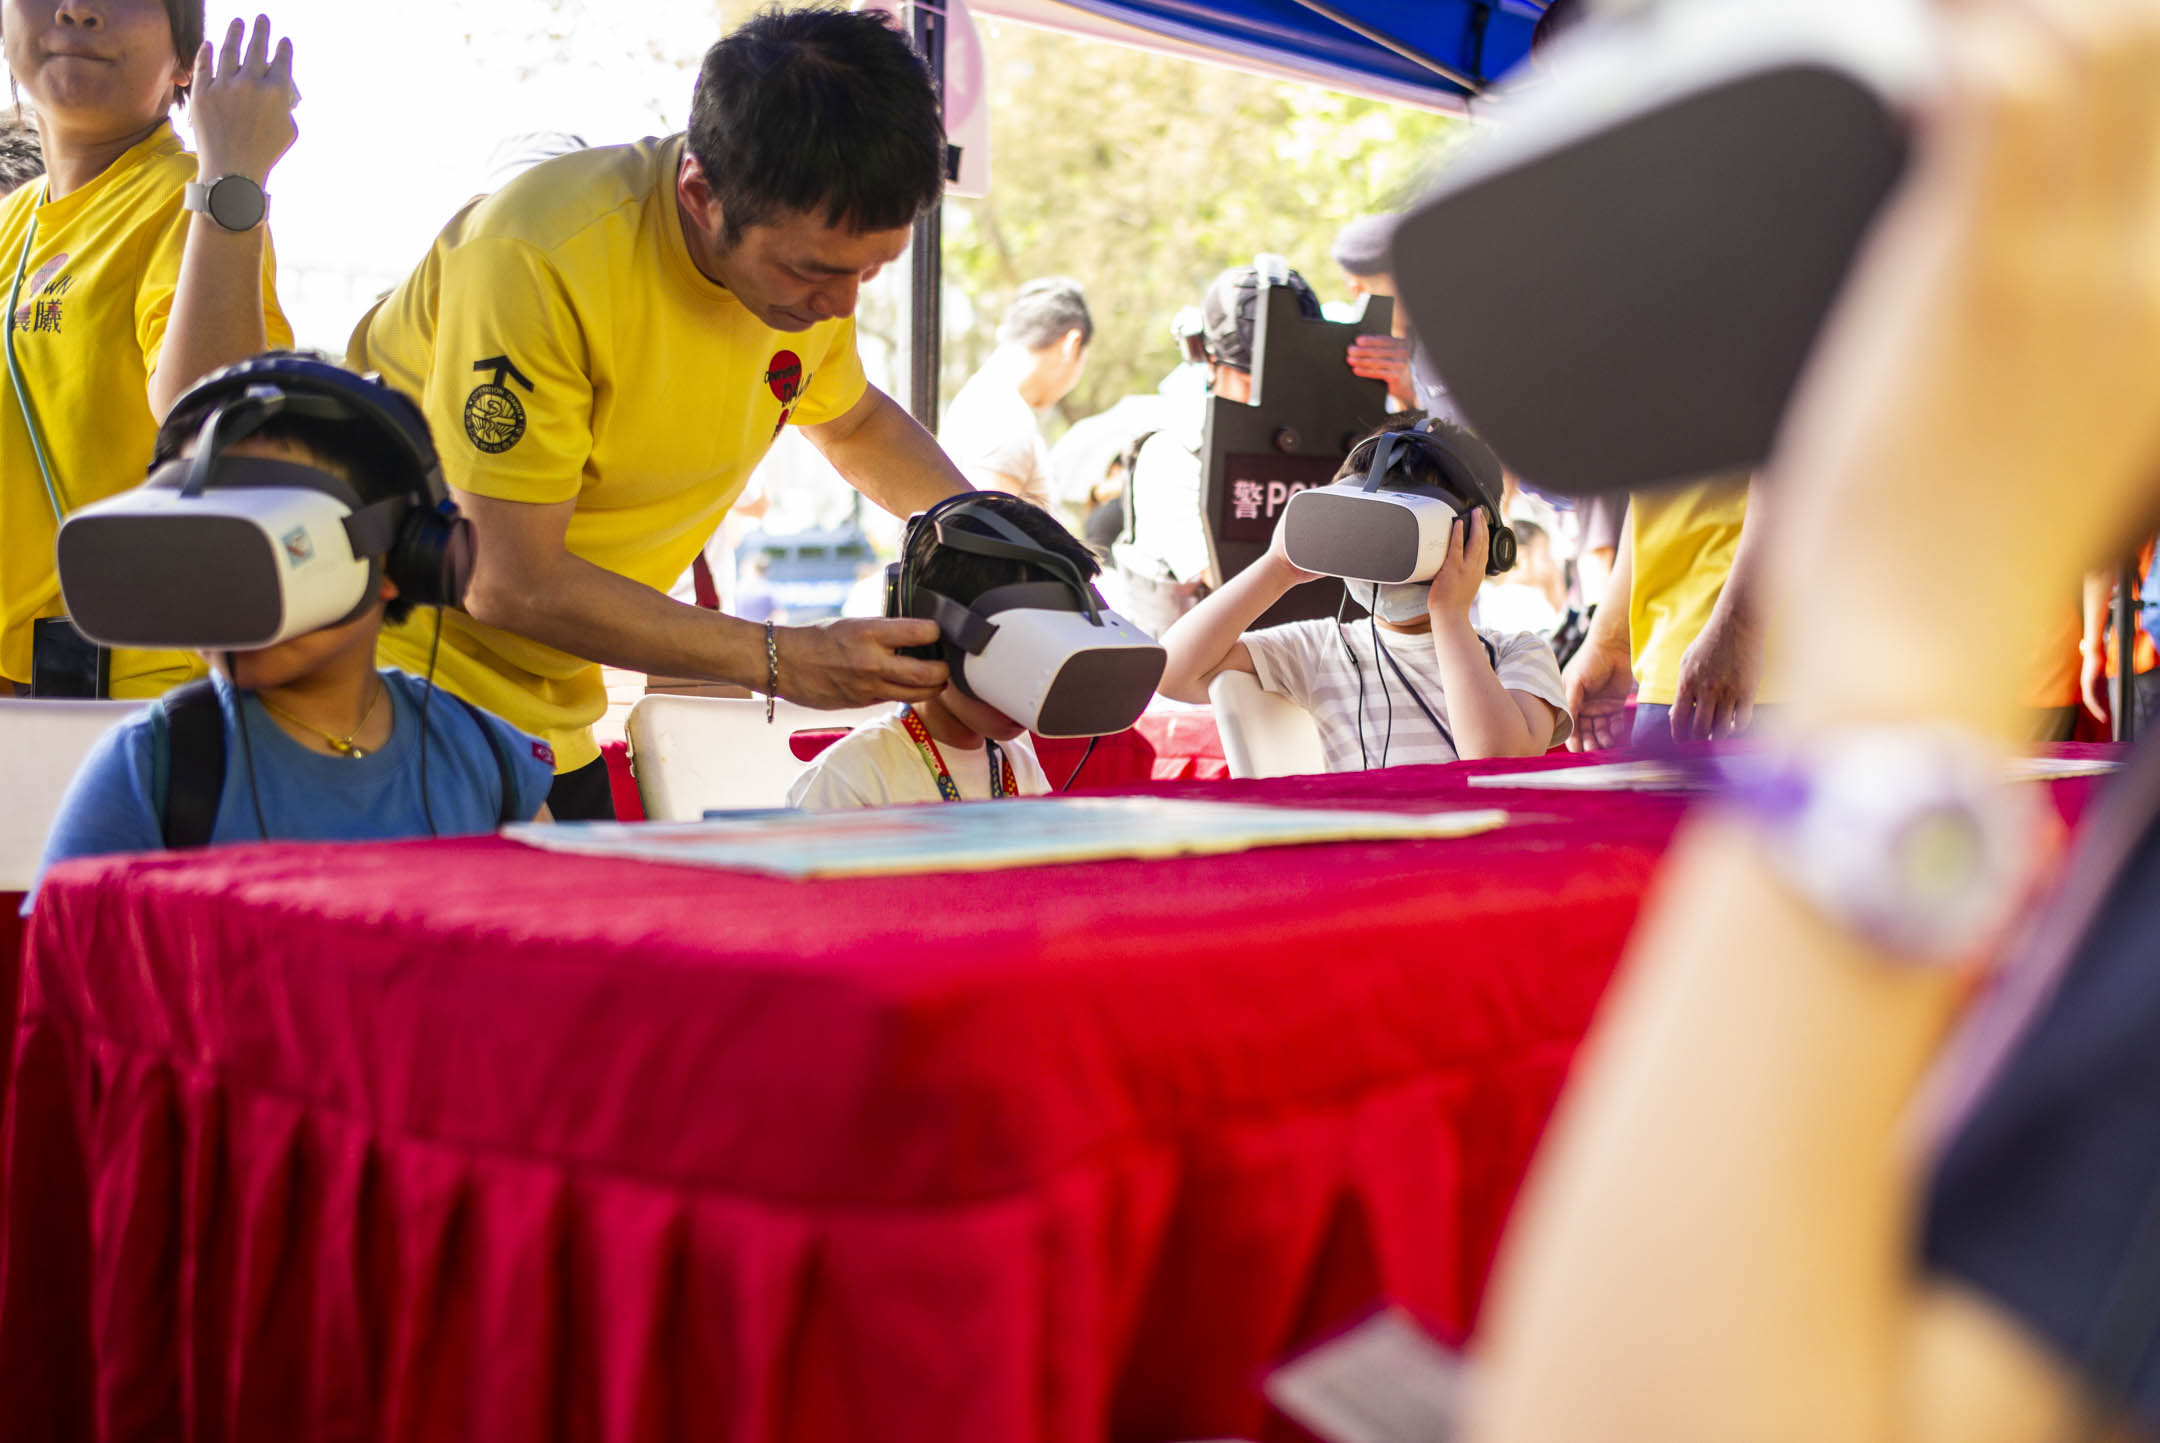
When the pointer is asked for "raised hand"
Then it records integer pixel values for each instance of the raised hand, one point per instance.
(242, 104)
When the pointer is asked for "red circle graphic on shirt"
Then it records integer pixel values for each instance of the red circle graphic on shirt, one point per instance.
(784, 374)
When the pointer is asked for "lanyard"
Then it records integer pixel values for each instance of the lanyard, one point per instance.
(15, 379)
(1001, 772)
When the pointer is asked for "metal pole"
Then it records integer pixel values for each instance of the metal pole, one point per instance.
(1468, 84)
(927, 252)
(2123, 692)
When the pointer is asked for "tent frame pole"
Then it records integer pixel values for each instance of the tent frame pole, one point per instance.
(926, 24)
(1386, 41)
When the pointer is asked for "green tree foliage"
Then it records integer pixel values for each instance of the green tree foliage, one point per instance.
(1143, 176)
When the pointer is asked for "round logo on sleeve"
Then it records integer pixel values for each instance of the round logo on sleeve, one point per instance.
(494, 416)
(494, 419)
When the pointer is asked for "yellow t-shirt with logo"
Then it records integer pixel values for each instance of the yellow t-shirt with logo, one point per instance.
(96, 295)
(564, 346)
(1684, 539)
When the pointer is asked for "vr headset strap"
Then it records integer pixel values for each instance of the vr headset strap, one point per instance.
(373, 528)
(187, 763)
(963, 626)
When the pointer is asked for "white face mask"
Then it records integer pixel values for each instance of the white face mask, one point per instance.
(1400, 603)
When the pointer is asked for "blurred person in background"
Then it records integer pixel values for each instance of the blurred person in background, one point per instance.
(2098, 655)
(22, 159)
(1163, 560)
(127, 286)
(1863, 1148)
(991, 430)
(1361, 250)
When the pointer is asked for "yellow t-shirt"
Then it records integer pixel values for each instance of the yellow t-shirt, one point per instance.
(1685, 539)
(96, 296)
(564, 346)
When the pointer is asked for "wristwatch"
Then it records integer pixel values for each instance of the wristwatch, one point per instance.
(1910, 838)
(233, 201)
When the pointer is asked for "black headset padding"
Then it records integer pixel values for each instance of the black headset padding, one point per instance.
(903, 597)
(431, 558)
(1473, 473)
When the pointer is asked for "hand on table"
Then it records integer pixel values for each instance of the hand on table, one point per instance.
(241, 104)
(1718, 676)
(857, 662)
(1599, 681)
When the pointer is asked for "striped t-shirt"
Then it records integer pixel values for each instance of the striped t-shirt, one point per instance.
(1310, 663)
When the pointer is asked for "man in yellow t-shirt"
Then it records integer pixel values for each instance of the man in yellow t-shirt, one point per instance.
(1679, 625)
(608, 345)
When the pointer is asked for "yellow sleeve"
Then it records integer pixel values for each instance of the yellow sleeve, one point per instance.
(509, 392)
(837, 383)
(161, 279)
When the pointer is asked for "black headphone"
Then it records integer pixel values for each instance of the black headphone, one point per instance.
(1470, 480)
(965, 629)
(414, 535)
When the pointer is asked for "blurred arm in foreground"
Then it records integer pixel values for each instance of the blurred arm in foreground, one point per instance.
(1721, 1239)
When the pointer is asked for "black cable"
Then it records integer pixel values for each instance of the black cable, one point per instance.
(1085, 753)
(427, 695)
(247, 746)
(1342, 634)
(1373, 616)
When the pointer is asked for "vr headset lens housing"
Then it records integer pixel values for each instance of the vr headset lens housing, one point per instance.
(1391, 536)
(1048, 654)
(267, 551)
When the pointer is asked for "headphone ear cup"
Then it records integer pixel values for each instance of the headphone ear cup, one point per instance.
(1501, 556)
(432, 559)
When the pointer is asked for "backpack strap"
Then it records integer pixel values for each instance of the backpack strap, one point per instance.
(187, 763)
(505, 775)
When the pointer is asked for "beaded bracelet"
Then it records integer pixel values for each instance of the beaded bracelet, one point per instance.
(772, 671)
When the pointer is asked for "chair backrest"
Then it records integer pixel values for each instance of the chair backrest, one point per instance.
(693, 754)
(1264, 735)
(44, 742)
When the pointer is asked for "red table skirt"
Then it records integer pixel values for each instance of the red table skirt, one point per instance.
(462, 1141)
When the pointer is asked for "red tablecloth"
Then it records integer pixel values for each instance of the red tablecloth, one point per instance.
(460, 1140)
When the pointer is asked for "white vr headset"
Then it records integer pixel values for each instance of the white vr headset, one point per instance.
(1621, 278)
(223, 552)
(1048, 654)
(1388, 528)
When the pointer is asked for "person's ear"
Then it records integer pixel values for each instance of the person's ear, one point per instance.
(386, 590)
(695, 191)
(1075, 344)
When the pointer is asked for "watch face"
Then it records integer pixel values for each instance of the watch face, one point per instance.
(236, 203)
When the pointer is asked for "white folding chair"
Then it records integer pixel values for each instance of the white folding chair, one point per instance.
(45, 742)
(692, 754)
(1264, 735)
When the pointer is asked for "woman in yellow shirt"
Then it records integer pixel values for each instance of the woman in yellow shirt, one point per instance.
(126, 281)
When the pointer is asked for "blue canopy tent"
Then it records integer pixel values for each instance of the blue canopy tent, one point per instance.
(1435, 53)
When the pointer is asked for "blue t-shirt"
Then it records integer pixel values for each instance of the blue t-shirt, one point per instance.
(307, 795)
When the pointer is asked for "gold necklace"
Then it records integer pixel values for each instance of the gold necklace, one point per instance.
(343, 745)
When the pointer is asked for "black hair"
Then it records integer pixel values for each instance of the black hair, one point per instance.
(22, 158)
(964, 576)
(1439, 454)
(355, 451)
(186, 19)
(1560, 16)
(814, 109)
(1045, 312)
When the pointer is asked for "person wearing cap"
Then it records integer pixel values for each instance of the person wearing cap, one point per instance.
(1163, 561)
(609, 344)
(1361, 250)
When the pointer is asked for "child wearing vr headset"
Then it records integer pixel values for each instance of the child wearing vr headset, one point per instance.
(1031, 647)
(1412, 521)
(292, 507)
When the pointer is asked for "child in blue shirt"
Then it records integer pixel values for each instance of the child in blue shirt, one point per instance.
(318, 744)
